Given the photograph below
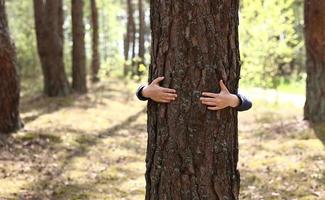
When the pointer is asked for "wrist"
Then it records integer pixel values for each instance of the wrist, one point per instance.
(234, 101)
(145, 92)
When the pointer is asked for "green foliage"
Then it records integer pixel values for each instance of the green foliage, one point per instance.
(270, 43)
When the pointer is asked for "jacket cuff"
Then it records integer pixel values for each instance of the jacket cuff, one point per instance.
(245, 104)
(139, 93)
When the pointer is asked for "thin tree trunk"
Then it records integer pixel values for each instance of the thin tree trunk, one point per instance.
(49, 33)
(129, 38)
(134, 39)
(9, 79)
(141, 35)
(315, 50)
(95, 63)
(79, 80)
(126, 52)
(192, 152)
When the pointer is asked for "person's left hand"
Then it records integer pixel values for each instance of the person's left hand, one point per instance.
(218, 101)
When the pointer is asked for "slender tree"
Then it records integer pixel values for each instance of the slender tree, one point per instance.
(315, 49)
(134, 40)
(129, 37)
(141, 34)
(79, 80)
(192, 152)
(95, 63)
(49, 32)
(9, 79)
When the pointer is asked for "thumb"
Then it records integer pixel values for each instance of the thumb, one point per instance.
(157, 80)
(223, 86)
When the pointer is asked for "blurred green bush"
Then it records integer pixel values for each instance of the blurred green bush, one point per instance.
(271, 42)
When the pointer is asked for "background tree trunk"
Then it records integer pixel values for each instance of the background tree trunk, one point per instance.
(134, 40)
(192, 153)
(9, 79)
(129, 38)
(49, 31)
(79, 80)
(141, 34)
(315, 50)
(95, 63)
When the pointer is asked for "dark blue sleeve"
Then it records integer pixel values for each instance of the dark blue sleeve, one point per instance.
(139, 93)
(245, 103)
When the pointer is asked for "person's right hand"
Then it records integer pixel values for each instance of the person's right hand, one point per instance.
(159, 94)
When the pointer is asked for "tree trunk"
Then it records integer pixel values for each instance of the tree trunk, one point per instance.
(141, 34)
(9, 79)
(126, 52)
(49, 33)
(315, 50)
(192, 152)
(79, 81)
(95, 63)
(141, 50)
(134, 39)
(129, 38)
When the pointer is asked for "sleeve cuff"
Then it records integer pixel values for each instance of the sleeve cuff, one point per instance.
(245, 104)
(139, 94)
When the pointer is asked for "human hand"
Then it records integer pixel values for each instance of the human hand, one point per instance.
(218, 101)
(157, 93)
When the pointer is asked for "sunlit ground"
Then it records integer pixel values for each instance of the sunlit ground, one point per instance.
(93, 147)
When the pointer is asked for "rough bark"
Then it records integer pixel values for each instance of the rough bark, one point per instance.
(9, 79)
(192, 152)
(79, 81)
(95, 62)
(315, 50)
(49, 33)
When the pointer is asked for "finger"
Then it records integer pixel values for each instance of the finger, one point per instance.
(170, 95)
(157, 80)
(168, 90)
(208, 103)
(214, 108)
(207, 99)
(164, 101)
(169, 99)
(209, 94)
(223, 86)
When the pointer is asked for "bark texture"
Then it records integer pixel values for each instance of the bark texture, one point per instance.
(315, 50)
(9, 79)
(49, 33)
(192, 153)
(79, 81)
(95, 62)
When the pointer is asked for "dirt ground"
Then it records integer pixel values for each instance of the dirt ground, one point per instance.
(93, 147)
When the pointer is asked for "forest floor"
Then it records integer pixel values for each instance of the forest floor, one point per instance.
(93, 147)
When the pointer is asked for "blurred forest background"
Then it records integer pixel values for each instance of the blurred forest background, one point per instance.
(271, 37)
(84, 137)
